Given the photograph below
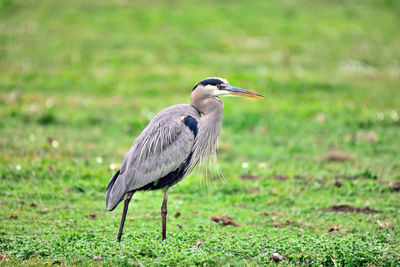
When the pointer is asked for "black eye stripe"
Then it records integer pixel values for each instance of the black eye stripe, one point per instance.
(210, 81)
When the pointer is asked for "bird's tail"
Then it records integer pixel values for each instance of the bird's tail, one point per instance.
(114, 193)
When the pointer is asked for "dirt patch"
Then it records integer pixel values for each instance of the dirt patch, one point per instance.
(366, 174)
(177, 214)
(299, 177)
(226, 220)
(383, 225)
(370, 136)
(333, 228)
(337, 184)
(250, 177)
(280, 177)
(336, 156)
(286, 223)
(198, 243)
(348, 208)
(396, 187)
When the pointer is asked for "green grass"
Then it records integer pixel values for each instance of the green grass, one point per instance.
(79, 80)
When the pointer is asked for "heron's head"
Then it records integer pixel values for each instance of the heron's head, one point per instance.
(214, 86)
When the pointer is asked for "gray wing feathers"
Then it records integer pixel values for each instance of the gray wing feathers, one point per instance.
(160, 149)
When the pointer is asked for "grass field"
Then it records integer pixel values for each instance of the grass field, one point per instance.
(79, 80)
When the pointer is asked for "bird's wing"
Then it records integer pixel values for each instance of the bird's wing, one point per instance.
(161, 148)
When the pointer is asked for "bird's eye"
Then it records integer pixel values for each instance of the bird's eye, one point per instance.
(218, 86)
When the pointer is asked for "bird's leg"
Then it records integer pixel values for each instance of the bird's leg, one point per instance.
(164, 215)
(126, 204)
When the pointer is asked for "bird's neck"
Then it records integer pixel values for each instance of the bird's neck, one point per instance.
(205, 146)
(212, 114)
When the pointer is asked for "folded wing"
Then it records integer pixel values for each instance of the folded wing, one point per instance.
(161, 148)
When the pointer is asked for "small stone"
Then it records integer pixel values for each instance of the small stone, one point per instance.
(320, 117)
(97, 258)
(383, 225)
(245, 165)
(198, 243)
(337, 184)
(276, 257)
(54, 143)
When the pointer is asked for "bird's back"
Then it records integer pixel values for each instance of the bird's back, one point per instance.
(161, 149)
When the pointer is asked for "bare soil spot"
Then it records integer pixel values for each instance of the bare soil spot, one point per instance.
(299, 177)
(336, 156)
(333, 228)
(285, 223)
(370, 136)
(337, 184)
(226, 220)
(383, 225)
(177, 214)
(198, 243)
(250, 177)
(348, 208)
(33, 205)
(396, 187)
(280, 177)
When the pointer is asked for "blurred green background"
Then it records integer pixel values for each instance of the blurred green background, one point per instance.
(79, 80)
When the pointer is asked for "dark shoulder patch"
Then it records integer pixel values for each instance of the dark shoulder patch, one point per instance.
(191, 122)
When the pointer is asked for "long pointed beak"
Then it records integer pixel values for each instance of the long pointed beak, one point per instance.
(240, 92)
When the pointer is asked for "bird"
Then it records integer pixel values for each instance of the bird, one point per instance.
(171, 145)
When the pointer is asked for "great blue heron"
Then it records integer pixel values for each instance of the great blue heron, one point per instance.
(171, 145)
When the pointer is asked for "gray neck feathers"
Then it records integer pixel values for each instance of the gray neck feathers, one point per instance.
(205, 146)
